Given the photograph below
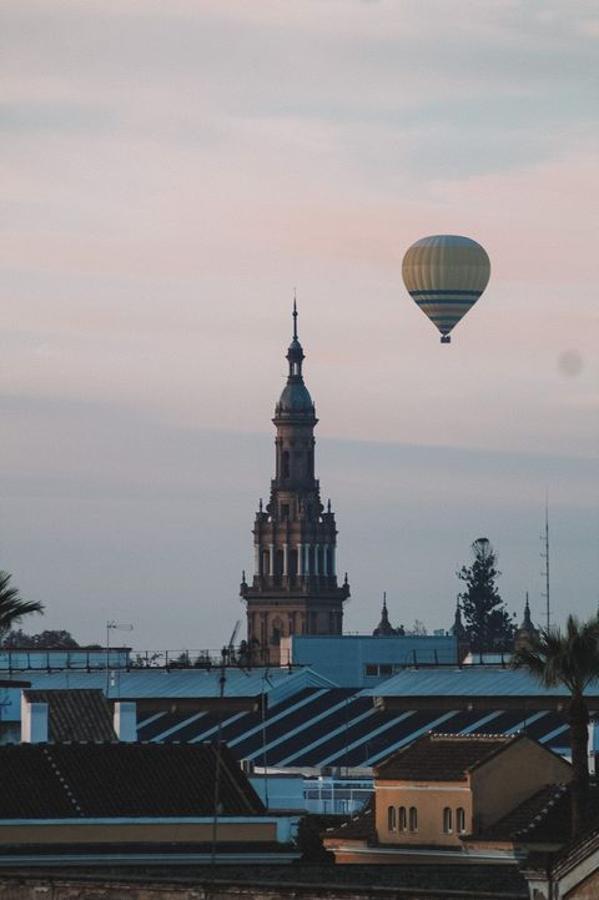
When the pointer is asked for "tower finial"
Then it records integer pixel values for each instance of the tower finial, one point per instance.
(294, 315)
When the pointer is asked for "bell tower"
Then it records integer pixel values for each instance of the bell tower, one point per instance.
(294, 589)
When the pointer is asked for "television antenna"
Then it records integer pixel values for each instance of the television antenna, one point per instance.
(226, 654)
(111, 625)
(545, 573)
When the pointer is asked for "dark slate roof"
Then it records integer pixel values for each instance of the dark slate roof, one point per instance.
(47, 781)
(76, 715)
(442, 757)
(359, 827)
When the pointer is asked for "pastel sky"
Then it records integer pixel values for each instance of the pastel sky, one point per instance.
(170, 171)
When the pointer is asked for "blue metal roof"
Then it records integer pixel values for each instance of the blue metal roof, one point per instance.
(469, 681)
(341, 727)
(169, 684)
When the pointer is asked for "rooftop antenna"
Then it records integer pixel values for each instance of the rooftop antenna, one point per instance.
(225, 656)
(111, 625)
(545, 572)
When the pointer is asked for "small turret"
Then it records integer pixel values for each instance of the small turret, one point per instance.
(527, 630)
(384, 628)
(458, 627)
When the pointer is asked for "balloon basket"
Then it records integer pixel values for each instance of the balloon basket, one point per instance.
(445, 339)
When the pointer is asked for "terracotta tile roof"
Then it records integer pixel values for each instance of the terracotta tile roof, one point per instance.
(442, 757)
(46, 781)
(579, 849)
(76, 715)
(545, 818)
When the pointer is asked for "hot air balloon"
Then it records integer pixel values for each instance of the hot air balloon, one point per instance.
(445, 274)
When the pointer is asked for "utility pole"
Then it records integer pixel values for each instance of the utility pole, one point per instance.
(545, 572)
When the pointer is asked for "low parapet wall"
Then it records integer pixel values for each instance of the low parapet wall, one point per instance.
(267, 883)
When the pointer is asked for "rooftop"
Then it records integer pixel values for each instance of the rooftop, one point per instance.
(116, 780)
(442, 757)
(543, 818)
(486, 681)
(76, 715)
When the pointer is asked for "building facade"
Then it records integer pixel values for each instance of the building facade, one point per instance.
(294, 589)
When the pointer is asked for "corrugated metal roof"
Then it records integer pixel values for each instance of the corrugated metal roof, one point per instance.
(181, 683)
(468, 681)
(340, 727)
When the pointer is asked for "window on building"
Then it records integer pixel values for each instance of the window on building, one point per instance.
(403, 818)
(386, 669)
(447, 820)
(460, 820)
(277, 632)
(413, 819)
(284, 510)
(372, 669)
(391, 819)
(285, 464)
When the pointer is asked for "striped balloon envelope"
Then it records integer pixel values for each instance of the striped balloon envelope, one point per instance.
(445, 274)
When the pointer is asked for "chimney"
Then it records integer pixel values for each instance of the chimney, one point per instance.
(34, 721)
(125, 721)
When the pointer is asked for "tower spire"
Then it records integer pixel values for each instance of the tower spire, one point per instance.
(294, 316)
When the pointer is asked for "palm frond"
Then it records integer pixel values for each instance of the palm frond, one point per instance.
(571, 657)
(12, 607)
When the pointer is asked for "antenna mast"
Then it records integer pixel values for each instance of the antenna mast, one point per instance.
(545, 573)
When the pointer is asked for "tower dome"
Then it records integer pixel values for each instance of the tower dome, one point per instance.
(295, 398)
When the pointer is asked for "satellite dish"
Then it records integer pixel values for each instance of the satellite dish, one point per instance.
(445, 274)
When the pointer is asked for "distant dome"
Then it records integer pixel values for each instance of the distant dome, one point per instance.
(295, 398)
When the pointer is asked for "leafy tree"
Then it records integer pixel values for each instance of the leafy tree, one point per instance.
(45, 640)
(488, 625)
(12, 606)
(571, 659)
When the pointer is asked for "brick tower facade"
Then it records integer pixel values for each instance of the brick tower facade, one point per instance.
(294, 589)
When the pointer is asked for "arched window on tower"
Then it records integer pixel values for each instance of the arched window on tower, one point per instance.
(285, 464)
(276, 632)
(279, 562)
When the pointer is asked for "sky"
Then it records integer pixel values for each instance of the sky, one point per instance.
(170, 173)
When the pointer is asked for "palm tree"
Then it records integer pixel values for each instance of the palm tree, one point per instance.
(570, 658)
(12, 606)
